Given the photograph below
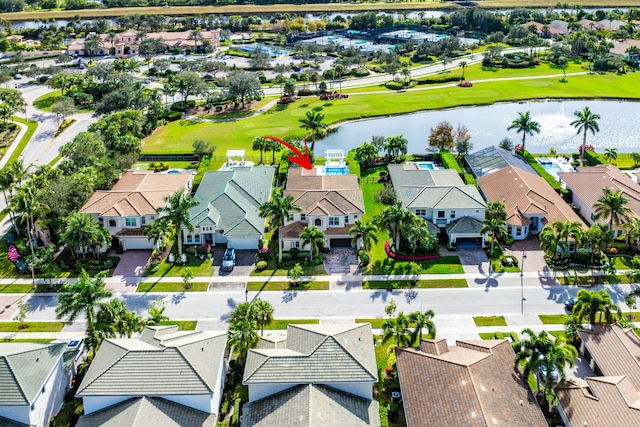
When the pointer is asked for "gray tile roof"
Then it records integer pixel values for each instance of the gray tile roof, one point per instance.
(229, 200)
(465, 225)
(161, 362)
(316, 354)
(6, 422)
(311, 406)
(24, 369)
(410, 175)
(146, 411)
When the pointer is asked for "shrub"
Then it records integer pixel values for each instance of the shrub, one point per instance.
(450, 162)
(435, 80)
(364, 257)
(172, 116)
(591, 157)
(294, 252)
(261, 265)
(394, 85)
(305, 92)
(361, 72)
(183, 106)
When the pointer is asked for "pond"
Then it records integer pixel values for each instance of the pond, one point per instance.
(488, 125)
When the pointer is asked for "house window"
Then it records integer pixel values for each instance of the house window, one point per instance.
(421, 212)
(346, 219)
(334, 220)
(143, 220)
(112, 223)
(452, 214)
(130, 221)
(152, 217)
(518, 231)
(303, 217)
(440, 214)
(197, 238)
(593, 217)
(189, 238)
(101, 221)
(296, 245)
(290, 217)
(318, 222)
(619, 233)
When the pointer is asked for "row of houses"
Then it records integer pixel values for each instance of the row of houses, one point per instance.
(558, 27)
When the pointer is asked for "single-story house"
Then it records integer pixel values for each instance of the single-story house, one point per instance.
(442, 199)
(586, 186)
(621, 47)
(33, 381)
(330, 202)
(134, 202)
(323, 376)
(228, 212)
(545, 31)
(529, 200)
(470, 384)
(610, 397)
(164, 372)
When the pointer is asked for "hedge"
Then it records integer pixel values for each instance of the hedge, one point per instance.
(399, 257)
(445, 79)
(592, 158)
(566, 195)
(450, 162)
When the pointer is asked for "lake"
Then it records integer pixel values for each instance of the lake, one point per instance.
(488, 125)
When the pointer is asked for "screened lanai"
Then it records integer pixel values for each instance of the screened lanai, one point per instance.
(491, 159)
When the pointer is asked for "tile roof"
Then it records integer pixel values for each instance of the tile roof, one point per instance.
(311, 406)
(24, 369)
(229, 200)
(471, 384)
(587, 179)
(325, 194)
(162, 361)
(464, 225)
(136, 193)
(316, 354)
(524, 193)
(6, 422)
(143, 411)
(409, 174)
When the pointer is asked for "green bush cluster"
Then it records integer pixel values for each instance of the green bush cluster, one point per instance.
(158, 167)
(592, 158)
(435, 80)
(183, 106)
(450, 162)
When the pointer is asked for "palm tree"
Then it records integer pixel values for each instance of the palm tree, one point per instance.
(260, 144)
(636, 158)
(313, 237)
(531, 351)
(633, 231)
(365, 233)
(339, 68)
(550, 242)
(177, 212)
(396, 146)
(612, 205)
(7, 181)
(525, 124)
(398, 330)
(82, 297)
(262, 313)
(195, 35)
(113, 320)
(591, 303)
(423, 321)
(585, 121)
(390, 218)
(463, 65)
(277, 209)
(611, 154)
(242, 337)
(157, 230)
(82, 232)
(313, 121)
(558, 355)
(497, 228)
(366, 152)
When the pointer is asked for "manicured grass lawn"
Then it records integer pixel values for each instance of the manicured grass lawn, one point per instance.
(45, 101)
(512, 336)
(553, 319)
(400, 284)
(32, 326)
(490, 321)
(557, 334)
(445, 265)
(30, 340)
(610, 279)
(280, 324)
(309, 270)
(16, 288)
(375, 323)
(31, 128)
(172, 165)
(178, 136)
(183, 325)
(276, 285)
(198, 268)
(171, 287)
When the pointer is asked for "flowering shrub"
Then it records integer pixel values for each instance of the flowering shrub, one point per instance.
(588, 147)
(13, 254)
(399, 257)
(264, 253)
(465, 83)
(517, 148)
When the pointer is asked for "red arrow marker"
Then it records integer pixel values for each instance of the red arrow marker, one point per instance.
(302, 160)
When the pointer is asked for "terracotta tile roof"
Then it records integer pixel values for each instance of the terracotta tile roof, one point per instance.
(325, 194)
(586, 180)
(291, 230)
(471, 384)
(524, 193)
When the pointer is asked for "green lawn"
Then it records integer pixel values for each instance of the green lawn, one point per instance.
(183, 325)
(172, 287)
(376, 323)
(611, 279)
(512, 336)
(30, 340)
(490, 321)
(198, 268)
(445, 265)
(309, 270)
(16, 288)
(552, 319)
(315, 285)
(404, 284)
(280, 324)
(45, 101)
(31, 128)
(557, 334)
(32, 326)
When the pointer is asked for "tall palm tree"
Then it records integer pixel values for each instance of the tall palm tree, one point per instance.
(586, 121)
(314, 238)
(195, 35)
(262, 313)
(532, 350)
(396, 146)
(398, 329)
(82, 297)
(557, 356)
(7, 182)
(157, 230)
(82, 232)
(612, 205)
(277, 209)
(497, 228)
(591, 303)
(611, 154)
(365, 233)
(260, 144)
(242, 337)
(339, 68)
(313, 121)
(177, 212)
(113, 320)
(550, 243)
(526, 125)
(463, 65)
(391, 218)
(423, 321)
(633, 231)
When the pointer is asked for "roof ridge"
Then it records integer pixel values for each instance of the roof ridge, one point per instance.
(133, 205)
(477, 397)
(350, 355)
(135, 418)
(264, 360)
(15, 379)
(310, 388)
(126, 352)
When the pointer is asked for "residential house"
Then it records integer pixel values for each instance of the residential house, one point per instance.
(33, 381)
(134, 202)
(492, 159)
(620, 47)
(470, 384)
(323, 376)
(330, 202)
(612, 25)
(611, 396)
(545, 30)
(586, 186)
(173, 377)
(443, 200)
(590, 25)
(228, 209)
(529, 200)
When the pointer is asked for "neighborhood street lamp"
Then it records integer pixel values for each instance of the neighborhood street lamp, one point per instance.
(524, 256)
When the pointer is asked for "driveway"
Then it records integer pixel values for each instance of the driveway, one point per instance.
(473, 260)
(245, 262)
(132, 264)
(341, 261)
(535, 256)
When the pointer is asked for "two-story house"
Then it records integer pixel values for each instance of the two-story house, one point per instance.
(134, 202)
(441, 198)
(330, 202)
(175, 377)
(33, 380)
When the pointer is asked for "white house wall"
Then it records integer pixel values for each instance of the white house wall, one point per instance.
(362, 389)
(95, 403)
(19, 413)
(48, 403)
(202, 402)
(260, 391)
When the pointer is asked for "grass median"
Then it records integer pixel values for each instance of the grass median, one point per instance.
(280, 324)
(277, 285)
(183, 325)
(489, 321)
(172, 287)
(408, 284)
(31, 326)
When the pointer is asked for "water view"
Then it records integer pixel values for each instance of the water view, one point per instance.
(488, 125)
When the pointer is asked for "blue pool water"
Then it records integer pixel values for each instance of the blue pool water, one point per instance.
(553, 169)
(544, 161)
(426, 166)
(335, 171)
(266, 49)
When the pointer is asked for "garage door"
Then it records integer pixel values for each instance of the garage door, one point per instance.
(468, 242)
(339, 243)
(242, 243)
(142, 243)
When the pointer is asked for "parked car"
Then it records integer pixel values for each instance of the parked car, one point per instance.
(568, 304)
(553, 375)
(146, 81)
(76, 345)
(297, 68)
(17, 76)
(228, 259)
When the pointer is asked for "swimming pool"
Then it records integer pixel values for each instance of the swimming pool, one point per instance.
(552, 168)
(545, 161)
(336, 171)
(427, 166)
(249, 48)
